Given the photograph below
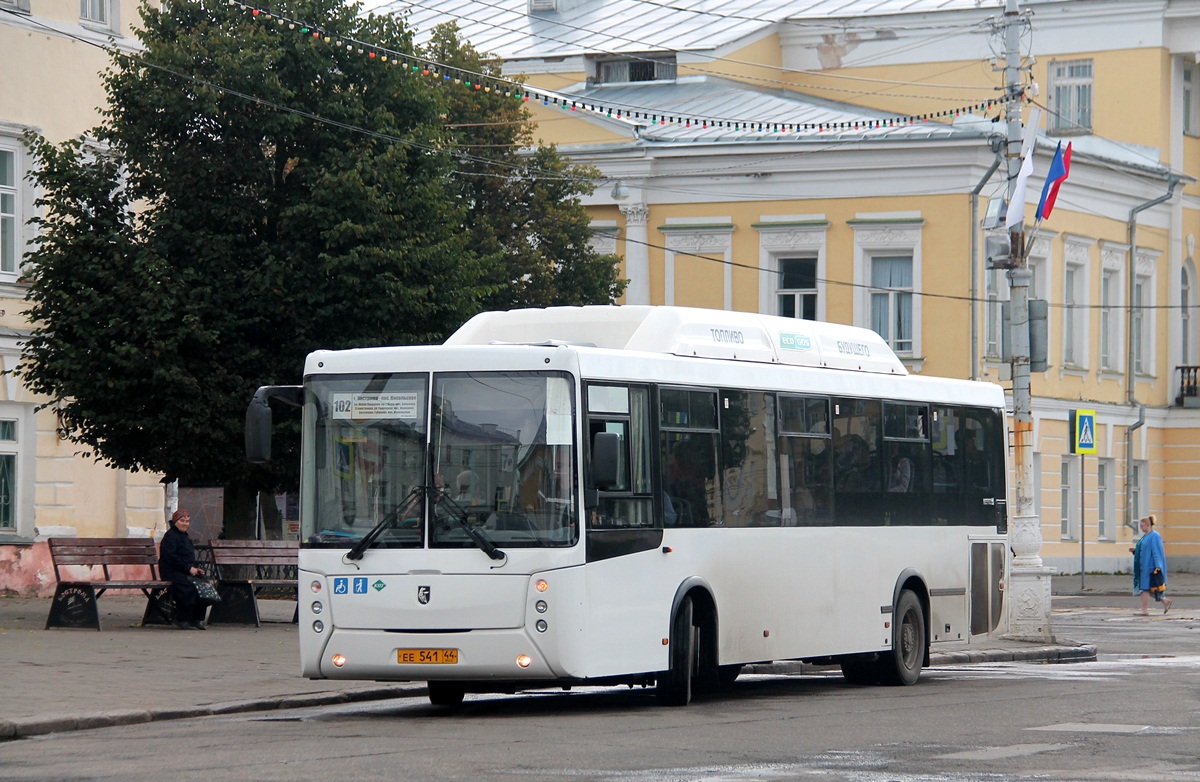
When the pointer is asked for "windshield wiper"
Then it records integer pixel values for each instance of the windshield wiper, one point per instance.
(474, 532)
(388, 519)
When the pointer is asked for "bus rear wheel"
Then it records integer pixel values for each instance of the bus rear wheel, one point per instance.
(674, 686)
(447, 694)
(902, 666)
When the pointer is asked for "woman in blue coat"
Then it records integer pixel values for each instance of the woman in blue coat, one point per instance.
(1149, 556)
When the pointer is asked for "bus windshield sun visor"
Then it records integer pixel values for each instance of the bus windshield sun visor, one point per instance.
(388, 519)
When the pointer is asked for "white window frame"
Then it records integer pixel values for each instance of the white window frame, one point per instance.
(1112, 307)
(888, 235)
(22, 195)
(1139, 489)
(1144, 315)
(1187, 302)
(993, 314)
(1068, 498)
(1070, 96)
(1076, 276)
(103, 15)
(789, 236)
(1189, 106)
(1106, 499)
(21, 449)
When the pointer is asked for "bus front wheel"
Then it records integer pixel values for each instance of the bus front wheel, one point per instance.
(674, 686)
(902, 665)
(449, 694)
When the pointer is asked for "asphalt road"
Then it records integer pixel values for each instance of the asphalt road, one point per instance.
(1131, 715)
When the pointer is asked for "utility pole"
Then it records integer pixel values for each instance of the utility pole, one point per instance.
(1028, 588)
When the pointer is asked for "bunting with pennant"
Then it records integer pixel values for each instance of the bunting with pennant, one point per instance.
(441, 73)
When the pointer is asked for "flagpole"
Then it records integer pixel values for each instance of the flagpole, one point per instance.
(1028, 593)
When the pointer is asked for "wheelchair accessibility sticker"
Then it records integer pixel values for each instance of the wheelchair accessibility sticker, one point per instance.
(341, 586)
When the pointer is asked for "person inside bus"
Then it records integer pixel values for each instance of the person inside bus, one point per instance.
(467, 492)
(900, 475)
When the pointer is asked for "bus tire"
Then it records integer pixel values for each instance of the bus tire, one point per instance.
(446, 694)
(902, 666)
(675, 684)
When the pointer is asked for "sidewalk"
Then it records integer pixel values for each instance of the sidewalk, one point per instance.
(62, 680)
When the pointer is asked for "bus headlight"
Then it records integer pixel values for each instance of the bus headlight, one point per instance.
(317, 607)
(318, 626)
(524, 661)
(541, 625)
(315, 586)
(540, 606)
(338, 660)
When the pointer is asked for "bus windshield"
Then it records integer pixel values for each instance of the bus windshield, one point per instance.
(497, 464)
(503, 459)
(365, 460)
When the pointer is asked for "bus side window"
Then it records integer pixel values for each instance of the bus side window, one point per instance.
(624, 411)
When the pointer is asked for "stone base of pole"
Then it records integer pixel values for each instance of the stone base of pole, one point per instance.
(1028, 587)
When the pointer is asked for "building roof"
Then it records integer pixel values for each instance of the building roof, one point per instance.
(509, 29)
(712, 109)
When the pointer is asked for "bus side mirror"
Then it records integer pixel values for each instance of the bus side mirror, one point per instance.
(606, 450)
(258, 419)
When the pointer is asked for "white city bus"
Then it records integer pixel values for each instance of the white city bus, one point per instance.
(643, 495)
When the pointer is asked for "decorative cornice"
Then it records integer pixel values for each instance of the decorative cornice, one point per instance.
(868, 233)
(698, 239)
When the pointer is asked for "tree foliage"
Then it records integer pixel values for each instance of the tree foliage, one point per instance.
(253, 195)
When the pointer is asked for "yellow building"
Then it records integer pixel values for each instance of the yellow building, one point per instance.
(52, 54)
(835, 160)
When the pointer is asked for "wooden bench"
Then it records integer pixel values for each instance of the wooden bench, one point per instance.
(244, 568)
(74, 603)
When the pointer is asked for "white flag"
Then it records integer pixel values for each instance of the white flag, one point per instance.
(1016, 207)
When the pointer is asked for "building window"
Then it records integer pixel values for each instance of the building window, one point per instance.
(892, 300)
(1137, 494)
(1105, 499)
(1070, 97)
(1068, 507)
(993, 336)
(16, 469)
(1109, 317)
(94, 11)
(1191, 103)
(9, 219)
(1141, 324)
(1074, 316)
(887, 273)
(798, 288)
(1185, 311)
(631, 70)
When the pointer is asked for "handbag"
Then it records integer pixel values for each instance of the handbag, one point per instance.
(206, 589)
(1157, 583)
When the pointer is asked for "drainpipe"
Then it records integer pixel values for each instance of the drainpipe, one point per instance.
(1130, 377)
(997, 143)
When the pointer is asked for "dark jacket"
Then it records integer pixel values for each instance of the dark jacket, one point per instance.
(176, 558)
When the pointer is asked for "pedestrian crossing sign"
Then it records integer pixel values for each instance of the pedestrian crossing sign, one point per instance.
(1083, 431)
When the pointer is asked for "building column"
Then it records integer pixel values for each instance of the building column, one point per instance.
(637, 253)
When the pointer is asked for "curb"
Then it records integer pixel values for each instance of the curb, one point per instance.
(52, 723)
(63, 723)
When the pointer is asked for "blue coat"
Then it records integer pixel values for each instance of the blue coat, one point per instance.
(1150, 555)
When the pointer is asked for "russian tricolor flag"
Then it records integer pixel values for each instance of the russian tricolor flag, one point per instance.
(1060, 167)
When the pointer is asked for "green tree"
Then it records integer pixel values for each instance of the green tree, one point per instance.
(524, 200)
(254, 194)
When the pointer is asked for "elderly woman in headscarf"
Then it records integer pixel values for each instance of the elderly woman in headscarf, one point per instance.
(177, 563)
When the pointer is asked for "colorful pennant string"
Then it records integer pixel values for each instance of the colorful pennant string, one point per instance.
(519, 91)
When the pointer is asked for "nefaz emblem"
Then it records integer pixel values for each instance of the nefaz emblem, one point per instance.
(423, 595)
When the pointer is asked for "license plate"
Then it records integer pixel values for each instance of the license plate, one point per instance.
(427, 656)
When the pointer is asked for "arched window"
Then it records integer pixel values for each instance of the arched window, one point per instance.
(1187, 275)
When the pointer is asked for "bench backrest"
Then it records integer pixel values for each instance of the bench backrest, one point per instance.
(256, 553)
(103, 552)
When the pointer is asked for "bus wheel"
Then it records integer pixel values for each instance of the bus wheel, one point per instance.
(446, 693)
(675, 684)
(903, 665)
